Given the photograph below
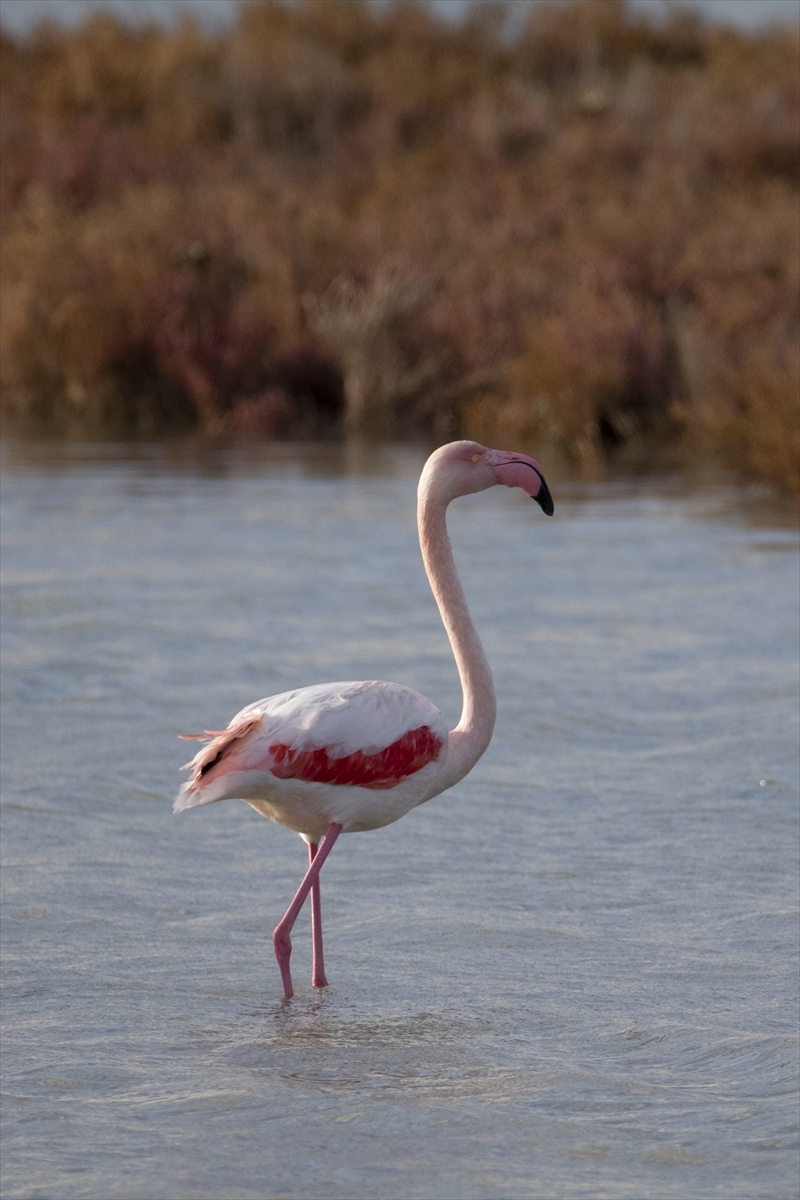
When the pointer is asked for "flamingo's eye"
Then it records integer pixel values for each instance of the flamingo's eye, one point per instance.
(475, 457)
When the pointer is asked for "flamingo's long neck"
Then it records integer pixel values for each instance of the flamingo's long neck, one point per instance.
(473, 733)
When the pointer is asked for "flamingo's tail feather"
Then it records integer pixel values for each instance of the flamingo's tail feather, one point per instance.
(189, 797)
(195, 792)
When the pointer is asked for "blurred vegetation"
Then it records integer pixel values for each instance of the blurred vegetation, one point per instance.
(584, 237)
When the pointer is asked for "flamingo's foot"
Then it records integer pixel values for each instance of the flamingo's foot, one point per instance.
(283, 950)
(318, 979)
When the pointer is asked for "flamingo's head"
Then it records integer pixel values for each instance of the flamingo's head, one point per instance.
(463, 467)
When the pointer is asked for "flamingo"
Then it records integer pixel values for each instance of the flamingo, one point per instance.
(347, 757)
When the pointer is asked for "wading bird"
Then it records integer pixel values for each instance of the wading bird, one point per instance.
(347, 757)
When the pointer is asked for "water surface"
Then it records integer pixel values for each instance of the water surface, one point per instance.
(574, 975)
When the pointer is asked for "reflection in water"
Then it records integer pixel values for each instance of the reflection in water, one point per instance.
(573, 976)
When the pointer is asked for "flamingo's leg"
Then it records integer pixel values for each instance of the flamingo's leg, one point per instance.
(318, 963)
(280, 938)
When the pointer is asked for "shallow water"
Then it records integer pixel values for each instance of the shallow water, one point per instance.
(572, 976)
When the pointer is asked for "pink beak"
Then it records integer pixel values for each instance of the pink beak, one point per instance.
(517, 470)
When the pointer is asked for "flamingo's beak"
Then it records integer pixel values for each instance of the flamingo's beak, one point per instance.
(544, 499)
(517, 470)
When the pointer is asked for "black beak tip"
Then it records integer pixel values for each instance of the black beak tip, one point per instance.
(544, 499)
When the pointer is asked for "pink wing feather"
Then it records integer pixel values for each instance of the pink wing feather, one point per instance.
(222, 741)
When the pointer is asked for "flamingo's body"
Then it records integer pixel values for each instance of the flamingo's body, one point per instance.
(359, 755)
(348, 757)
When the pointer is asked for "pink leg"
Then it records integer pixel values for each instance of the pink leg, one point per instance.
(318, 964)
(280, 938)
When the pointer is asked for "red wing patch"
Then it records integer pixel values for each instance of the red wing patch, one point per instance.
(409, 754)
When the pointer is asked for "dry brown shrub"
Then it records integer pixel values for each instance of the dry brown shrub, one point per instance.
(592, 375)
(586, 237)
(563, 42)
(390, 367)
(749, 416)
(117, 314)
(737, 331)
